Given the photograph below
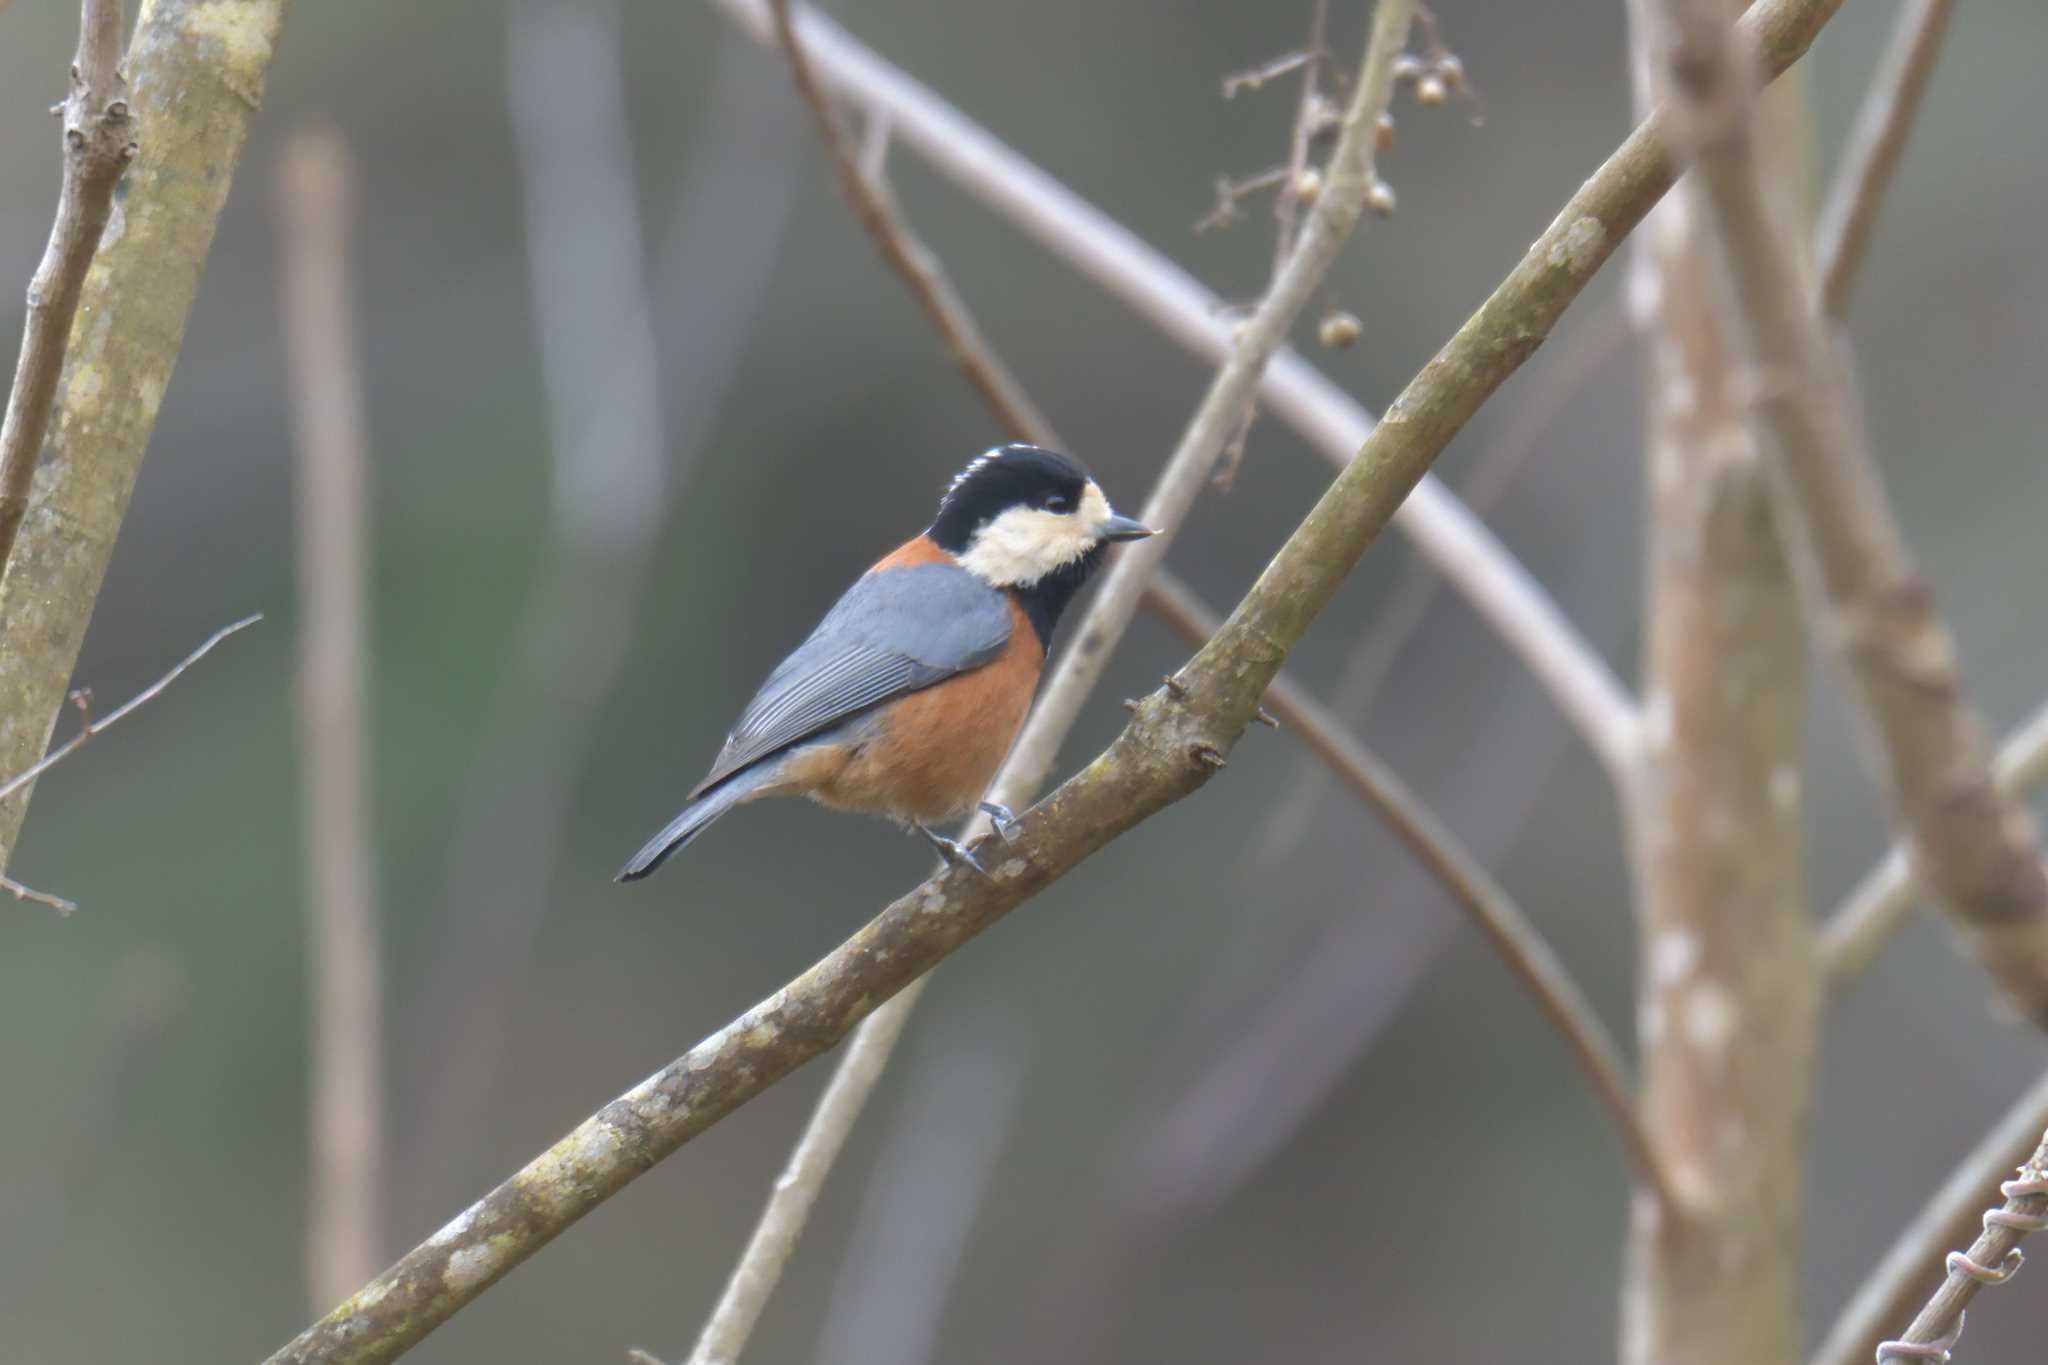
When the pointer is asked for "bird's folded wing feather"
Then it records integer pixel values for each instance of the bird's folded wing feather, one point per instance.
(895, 631)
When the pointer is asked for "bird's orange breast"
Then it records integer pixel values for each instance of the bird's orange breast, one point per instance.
(938, 748)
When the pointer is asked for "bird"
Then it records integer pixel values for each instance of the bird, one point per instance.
(907, 696)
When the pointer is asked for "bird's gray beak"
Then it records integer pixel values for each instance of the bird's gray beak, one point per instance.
(1126, 528)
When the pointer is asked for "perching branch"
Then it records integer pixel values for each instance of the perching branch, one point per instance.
(1976, 847)
(1468, 554)
(1992, 1259)
(1912, 1269)
(1173, 744)
(1877, 907)
(344, 952)
(195, 91)
(1510, 932)
(99, 142)
(1876, 144)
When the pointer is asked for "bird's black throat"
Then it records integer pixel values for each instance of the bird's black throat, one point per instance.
(1044, 600)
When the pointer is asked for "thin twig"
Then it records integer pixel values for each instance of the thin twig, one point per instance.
(1510, 932)
(99, 142)
(1110, 613)
(1876, 144)
(147, 694)
(29, 893)
(1287, 203)
(899, 246)
(1992, 1259)
(1307, 119)
(1506, 596)
(1346, 179)
(344, 953)
(1976, 847)
(760, 1266)
(1171, 747)
(1873, 912)
(1912, 1270)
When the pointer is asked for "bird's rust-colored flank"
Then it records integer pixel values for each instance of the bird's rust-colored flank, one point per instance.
(942, 745)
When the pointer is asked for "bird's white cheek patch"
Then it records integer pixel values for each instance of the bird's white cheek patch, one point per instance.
(1025, 544)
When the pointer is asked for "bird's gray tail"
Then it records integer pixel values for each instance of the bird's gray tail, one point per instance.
(694, 818)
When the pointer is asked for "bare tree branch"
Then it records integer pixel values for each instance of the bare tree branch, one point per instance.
(99, 142)
(1876, 144)
(1174, 743)
(196, 94)
(344, 948)
(1912, 1269)
(1976, 847)
(1510, 932)
(1992, 1259)
(1726, 989)
(1503, 592)
(1877, 907)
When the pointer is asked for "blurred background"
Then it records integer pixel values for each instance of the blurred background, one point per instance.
(1246, 1085)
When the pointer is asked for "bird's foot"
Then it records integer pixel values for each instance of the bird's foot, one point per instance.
(954, 853)
(1002, 819)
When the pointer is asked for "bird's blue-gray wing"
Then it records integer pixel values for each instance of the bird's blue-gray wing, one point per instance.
(895, 631)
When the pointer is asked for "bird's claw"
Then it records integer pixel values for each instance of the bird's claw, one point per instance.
(953, 852)
(1002, 819)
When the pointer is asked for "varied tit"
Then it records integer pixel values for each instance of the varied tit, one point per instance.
(909, 693)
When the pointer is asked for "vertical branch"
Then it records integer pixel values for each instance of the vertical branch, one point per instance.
(98, 145)
(1727, 988)
(1976, 848)
(345, 957)
(195, 93)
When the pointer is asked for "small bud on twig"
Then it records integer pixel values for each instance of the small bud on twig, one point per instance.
(1339, 330)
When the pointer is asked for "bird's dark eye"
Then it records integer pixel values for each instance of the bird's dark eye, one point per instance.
(1060, 502)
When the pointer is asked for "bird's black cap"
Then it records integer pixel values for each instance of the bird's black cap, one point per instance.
(1016, 475)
